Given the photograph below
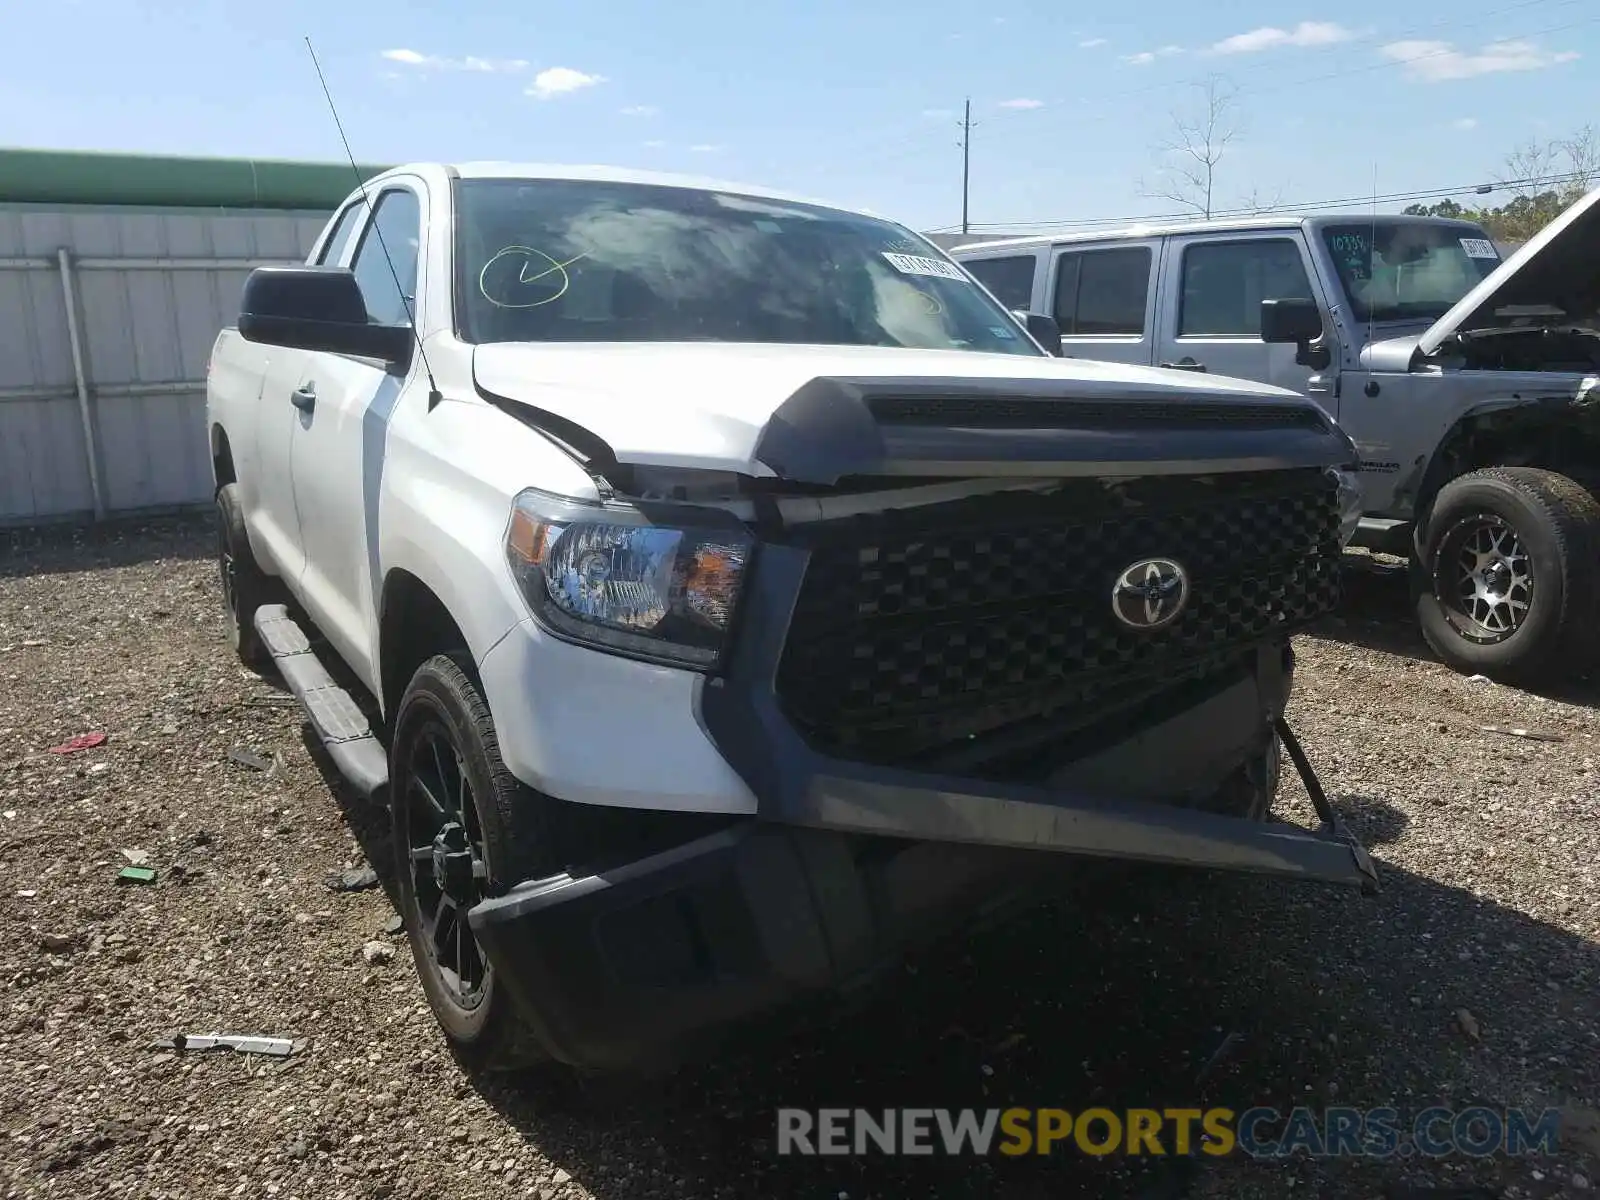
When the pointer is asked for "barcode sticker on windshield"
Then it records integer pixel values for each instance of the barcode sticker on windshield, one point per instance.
(914, 264)
(1479, 248)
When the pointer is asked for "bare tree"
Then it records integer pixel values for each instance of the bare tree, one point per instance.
(1582, 151)
(1200, 137)
(1567, 166)
(1529, 164)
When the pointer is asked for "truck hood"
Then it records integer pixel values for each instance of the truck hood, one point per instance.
(1557, 270)
(817, 413)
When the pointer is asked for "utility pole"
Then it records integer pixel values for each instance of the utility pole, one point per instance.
(966, 161)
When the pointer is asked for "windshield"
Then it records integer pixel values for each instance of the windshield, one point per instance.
(1407, 270)
(581, 261)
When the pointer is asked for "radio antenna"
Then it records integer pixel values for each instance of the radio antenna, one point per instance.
(434, 395)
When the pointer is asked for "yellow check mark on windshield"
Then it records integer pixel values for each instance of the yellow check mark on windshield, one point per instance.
(524, 277)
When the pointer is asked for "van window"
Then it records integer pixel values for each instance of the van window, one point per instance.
(1224, 284)
(1010, 279)
(1103, 291)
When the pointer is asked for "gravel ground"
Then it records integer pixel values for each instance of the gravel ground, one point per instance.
(1489, 845)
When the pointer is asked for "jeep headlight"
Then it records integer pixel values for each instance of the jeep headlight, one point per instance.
(1349, 491)
(612, 578)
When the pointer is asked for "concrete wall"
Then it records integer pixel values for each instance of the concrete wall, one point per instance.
(103, 349)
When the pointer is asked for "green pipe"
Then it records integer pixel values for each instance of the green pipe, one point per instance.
(90, 177)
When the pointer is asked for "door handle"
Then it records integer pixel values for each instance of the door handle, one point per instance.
(1184, 364)
(304, 398)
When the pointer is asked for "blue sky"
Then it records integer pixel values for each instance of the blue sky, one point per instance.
(852, 102)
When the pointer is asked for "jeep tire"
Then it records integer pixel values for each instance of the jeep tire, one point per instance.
(1506, 574)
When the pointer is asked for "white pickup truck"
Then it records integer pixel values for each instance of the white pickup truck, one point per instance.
(725, 592)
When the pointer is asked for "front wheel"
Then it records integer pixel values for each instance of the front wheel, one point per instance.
(464, 829)
(1507, 574)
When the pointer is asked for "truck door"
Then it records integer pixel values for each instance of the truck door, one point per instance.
(1103, 297)
(274, 519)
(342, 435)
(1211, 307)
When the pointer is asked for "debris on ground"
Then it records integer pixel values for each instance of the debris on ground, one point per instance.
(377, 952)
(1491, 890)
(137, 858)
(239, 1043)
(61, 943)
(394, 924)
(353, 881)
(1468, 1024)
(249, 758)
(136, 875)
(1531, 734)
(84, 741)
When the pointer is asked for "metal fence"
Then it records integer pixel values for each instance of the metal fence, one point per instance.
(107, 316)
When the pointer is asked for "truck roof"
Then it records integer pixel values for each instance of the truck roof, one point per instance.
(610, 174)
(1033, 241)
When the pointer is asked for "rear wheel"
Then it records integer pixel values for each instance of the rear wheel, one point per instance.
(464, 829)
(1507, 574)
(245, 586)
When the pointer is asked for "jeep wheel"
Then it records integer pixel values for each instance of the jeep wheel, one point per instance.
(1507, 574)
(245, 586)
(464, 828)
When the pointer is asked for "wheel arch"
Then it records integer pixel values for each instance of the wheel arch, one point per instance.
(414, 624)
(1551, 433)
(223, 471)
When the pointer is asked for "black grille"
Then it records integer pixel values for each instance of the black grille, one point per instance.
(918, 631)
(1005, 412)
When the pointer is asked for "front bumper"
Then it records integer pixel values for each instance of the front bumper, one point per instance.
(852, 865)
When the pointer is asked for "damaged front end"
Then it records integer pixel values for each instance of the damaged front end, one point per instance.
(951, 682)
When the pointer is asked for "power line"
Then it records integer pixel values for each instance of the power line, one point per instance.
(1065, 224)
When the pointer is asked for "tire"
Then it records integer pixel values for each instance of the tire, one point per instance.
(245, 586)
(498, 822)
(1530, 612)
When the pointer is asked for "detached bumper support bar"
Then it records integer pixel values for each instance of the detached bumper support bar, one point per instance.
(1332, 823)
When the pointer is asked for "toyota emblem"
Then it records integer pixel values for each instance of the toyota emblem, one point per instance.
(1150, 594)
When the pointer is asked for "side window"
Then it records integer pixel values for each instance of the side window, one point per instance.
(1010, 279)
(398, 219)
(349, 222)
(1103, 291)
(1224, 284)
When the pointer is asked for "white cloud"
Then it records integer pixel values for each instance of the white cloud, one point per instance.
(1022, 103)
(561, 81)
(704, 148)
(1091, 43)
(654, 144)
(641, 110)
(1465, 124)
(414, 58)
(1269, 37)
(1438, 62)
(1145, 57)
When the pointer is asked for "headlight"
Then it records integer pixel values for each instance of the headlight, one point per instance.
(610, 577)
(1349, 485)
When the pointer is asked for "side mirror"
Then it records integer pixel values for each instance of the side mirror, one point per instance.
(1044, 330)
(1296, 323)
(1290, 322)
(318, 308)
